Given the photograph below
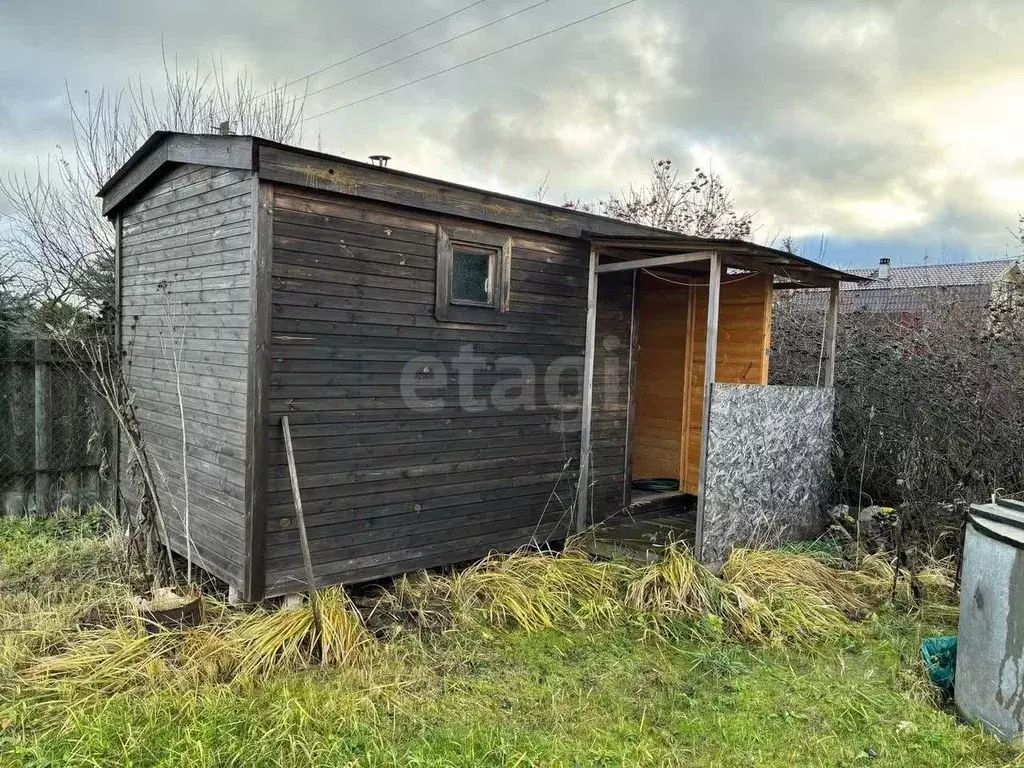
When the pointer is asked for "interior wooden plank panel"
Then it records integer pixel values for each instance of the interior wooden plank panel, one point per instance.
(661, 365)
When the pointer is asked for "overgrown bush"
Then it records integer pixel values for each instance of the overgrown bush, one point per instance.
(930, 404)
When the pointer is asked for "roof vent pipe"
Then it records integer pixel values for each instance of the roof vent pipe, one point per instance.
(884, 270)
(381, 160)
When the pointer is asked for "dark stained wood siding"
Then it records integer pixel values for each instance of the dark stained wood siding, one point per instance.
(388, 488)
(187, 242)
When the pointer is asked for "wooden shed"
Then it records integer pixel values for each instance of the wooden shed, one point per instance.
(463, 371)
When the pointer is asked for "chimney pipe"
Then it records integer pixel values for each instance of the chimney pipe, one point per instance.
(380, 160)
(884, 270)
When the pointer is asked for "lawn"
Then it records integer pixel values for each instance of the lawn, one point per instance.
(609, 689)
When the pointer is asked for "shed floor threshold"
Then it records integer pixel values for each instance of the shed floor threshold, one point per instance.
(643, 531)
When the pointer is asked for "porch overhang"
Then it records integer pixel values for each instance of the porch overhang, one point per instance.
(710, 261)
(618, 253)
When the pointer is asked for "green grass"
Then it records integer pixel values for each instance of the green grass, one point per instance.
(604, 693)
(71, 550)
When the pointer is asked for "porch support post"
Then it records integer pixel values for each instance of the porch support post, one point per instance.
(627, 463)
(710, 354)
(583, 491)
(831, 327)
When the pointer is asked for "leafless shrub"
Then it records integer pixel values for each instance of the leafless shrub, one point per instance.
(55, 239)
(701, 206)
(929, 403)
(90, 345)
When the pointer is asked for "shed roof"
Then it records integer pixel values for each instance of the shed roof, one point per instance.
(302, 167)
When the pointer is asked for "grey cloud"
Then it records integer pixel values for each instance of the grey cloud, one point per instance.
(799, 100)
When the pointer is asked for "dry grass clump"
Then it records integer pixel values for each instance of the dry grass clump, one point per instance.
(529, 590)
(32, 625)
(269, 641)
(232, 647)
(788, 598)
(542, 589)
(676, 585)
(877, 580)
(784, 615)
(931, 588)
(414, 601)
(761, 572)
(763, 597)
(109, 660)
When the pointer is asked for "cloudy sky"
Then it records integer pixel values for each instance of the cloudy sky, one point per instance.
(892, 128)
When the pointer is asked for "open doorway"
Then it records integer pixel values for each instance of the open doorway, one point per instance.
(669, 386)
(662, 352)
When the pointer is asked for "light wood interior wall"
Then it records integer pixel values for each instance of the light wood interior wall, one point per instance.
(670, 366)
(744, 339)
(660, 377)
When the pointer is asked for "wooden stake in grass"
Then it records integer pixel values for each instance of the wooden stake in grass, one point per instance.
(307, 561)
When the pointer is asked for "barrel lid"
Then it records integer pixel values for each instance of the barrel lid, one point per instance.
(1002, 520)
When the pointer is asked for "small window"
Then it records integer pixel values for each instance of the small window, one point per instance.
(472, 275)
(473, 271)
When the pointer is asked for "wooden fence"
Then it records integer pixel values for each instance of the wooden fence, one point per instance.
(55, 432)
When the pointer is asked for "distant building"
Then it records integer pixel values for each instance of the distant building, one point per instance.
(997, 284)
(915, 288)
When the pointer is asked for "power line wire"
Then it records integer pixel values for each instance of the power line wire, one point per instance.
(469, 61)
(364, 52)
(419, 52)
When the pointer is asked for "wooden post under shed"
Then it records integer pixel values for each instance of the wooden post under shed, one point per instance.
(710, 355)
(831, 331)
(583, 492)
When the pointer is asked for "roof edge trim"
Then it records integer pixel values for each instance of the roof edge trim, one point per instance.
(163, 148)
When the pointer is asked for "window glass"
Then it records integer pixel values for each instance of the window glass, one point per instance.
(471, 276)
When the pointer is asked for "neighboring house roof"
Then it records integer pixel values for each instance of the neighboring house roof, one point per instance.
(913, 288)
(933, 275)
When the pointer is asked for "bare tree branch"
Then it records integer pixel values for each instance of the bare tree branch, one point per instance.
(701, 206)
(54, 240)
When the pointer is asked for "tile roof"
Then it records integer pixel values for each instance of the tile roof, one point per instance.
(914, 289)
(934, 275)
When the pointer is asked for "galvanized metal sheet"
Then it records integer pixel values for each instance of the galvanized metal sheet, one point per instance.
(768, 470)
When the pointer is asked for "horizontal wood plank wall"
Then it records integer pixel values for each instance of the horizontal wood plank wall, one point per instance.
(744, 334)
(660, 377)
(611, 394)
(387, 488)
(186, 241)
